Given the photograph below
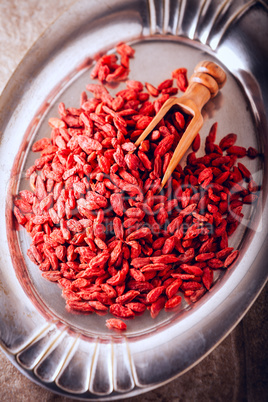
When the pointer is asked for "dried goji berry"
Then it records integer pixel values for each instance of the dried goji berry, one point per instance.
(94, 209)
(116, 323)
(173, 302)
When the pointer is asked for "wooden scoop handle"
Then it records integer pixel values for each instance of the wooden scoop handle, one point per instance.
(212, 69)
(205, 83)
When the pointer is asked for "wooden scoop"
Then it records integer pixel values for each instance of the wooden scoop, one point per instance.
(204, 84)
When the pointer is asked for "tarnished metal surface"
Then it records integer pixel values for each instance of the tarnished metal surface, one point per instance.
(76, 355)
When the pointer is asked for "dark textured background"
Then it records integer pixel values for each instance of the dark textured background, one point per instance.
(237, 369)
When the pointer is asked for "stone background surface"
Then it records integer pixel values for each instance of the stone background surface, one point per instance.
(237, 369)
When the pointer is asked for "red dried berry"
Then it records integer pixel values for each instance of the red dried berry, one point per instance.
(98, 224)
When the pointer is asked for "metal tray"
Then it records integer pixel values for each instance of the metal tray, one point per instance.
(76, 355)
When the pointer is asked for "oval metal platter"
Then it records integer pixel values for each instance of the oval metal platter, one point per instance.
(77, 355)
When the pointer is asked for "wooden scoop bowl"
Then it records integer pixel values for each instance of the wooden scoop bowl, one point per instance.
(204, 84)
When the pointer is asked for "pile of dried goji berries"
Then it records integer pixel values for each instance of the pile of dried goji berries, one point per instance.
(98, 224)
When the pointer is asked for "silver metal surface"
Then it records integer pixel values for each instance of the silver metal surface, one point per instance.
(76, 355)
